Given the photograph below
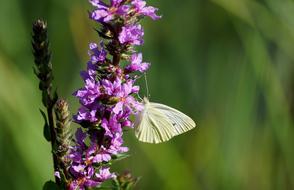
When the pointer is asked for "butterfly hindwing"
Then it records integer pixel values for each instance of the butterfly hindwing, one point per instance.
(158, 123)
(154, 126)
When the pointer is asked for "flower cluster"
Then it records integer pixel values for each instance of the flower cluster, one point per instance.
(108, 98)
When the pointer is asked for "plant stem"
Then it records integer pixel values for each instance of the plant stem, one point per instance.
(53, 138)
(43, 70)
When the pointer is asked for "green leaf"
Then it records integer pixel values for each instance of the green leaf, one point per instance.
(120, 156)
(116, 184)
(50, 185)
(46, 128)
(44, 96)
(55, 97)
(108, 185)
(35, 72)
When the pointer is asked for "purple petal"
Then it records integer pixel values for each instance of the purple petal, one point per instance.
(91, 183)
(99, 14)
(57, 174)
(105, 174)
(118, 107)
(131, 34)
(80, 136)
(73, 185)
(102, 156)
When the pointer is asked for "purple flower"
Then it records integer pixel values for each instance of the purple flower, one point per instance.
(82, 183)
(74, 185)
(89, 93)
(102, 156)
(76, 153)
(80, 137)
(136, 64)
(91, 183)
(111, 88)
(106, 13)
(86, 177)
(97, 54)
(84, 114)
(57, 174)
(140, 8)
(78, 170)
(75, 156)
(116, 145)
(95, 154)
(107, 99)
(111, 126)
(132, 34)
(104, 174)
(90, 73)
(123, 94)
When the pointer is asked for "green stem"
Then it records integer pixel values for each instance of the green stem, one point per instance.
(53, 138)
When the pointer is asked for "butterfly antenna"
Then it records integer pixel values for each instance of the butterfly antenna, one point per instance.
(140, 97)
(146, 84)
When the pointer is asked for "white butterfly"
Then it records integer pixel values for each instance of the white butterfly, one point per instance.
(158, 123)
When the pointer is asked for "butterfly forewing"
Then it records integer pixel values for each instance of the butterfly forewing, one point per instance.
(181, 122)
(158, 123)
(154, 126)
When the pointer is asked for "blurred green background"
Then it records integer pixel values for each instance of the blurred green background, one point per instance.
(229, 64)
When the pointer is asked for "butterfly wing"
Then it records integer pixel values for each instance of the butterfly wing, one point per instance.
(158, 123)
(152, 126)
(181, 123)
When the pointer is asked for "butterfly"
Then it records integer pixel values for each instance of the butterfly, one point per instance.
(158, 123)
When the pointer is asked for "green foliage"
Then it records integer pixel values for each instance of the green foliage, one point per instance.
(50, 185)
(124, 181)
(46, 129)
(120, 156)
(227, 64)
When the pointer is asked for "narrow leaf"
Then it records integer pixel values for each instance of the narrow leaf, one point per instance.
(120, 156)
(50, 185)
(55, 96)
(46, 129)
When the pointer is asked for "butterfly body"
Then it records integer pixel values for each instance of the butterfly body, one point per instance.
(159, 123)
